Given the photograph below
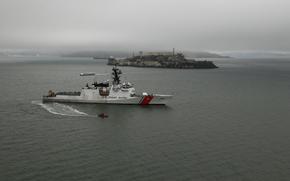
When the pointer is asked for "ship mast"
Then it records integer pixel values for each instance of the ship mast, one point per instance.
(116, 75)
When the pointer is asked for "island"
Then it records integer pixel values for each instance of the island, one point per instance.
(161, 60)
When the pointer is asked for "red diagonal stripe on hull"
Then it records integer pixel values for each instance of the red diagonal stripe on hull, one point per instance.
(146, 100)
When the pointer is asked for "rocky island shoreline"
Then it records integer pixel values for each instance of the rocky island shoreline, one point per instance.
(162, 60)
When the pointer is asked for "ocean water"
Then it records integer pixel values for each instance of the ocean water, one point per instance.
(230, 123)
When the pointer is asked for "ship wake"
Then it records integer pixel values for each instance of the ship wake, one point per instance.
(60, 109)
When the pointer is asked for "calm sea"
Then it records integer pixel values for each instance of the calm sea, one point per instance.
(230, 123)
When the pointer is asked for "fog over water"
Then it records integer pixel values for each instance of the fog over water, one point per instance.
(215, 25)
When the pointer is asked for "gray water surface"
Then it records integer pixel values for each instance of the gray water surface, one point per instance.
(230, 123)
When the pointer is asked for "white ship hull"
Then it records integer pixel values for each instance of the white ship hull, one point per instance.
(138, 100)
(92, 96)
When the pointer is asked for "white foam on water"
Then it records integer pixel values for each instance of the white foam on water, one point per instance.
(60, 109)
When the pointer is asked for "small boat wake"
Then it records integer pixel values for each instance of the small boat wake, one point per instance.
(60, 109)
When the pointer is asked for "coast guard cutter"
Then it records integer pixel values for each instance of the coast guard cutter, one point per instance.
(107, 92)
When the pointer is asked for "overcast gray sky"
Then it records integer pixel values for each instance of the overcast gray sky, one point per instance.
(218, 25)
